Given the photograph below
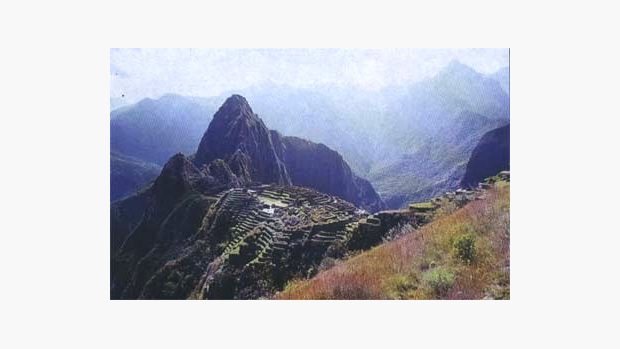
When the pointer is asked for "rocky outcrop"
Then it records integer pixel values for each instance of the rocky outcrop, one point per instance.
(490, 156)
(239, 137)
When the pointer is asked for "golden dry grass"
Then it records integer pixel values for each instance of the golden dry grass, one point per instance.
(423, 264)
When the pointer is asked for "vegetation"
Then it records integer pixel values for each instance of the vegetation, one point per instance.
(422, 206)
(465, 247)
(439, 280)
(463, 254)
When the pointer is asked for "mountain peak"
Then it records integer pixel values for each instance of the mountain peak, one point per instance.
(234, 107)
(456, 67)
(239, 137)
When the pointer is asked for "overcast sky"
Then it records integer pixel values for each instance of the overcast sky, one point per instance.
(140, 73)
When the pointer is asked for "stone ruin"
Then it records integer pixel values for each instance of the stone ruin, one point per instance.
(277, 233)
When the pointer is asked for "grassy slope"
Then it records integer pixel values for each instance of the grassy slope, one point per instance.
(464, 254)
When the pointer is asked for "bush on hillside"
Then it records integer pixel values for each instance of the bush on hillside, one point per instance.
(465, 248)
(440, 280)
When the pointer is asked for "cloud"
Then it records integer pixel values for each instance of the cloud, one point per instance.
(140, 73)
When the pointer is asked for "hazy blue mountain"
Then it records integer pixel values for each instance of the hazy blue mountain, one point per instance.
(503, 77)
(154, 130)
(128, 175)
(428, 106)
(438, 166)
(433, 127)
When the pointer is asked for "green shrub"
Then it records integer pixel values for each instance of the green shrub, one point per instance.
(465, 248)
(440, 280)
(402, 286)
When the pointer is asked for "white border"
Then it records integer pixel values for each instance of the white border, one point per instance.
(55, 146)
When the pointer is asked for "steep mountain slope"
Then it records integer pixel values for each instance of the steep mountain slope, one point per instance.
(128, 174)
(147, 229)
(316, 166)
(239, 137)
(154, 130)
(463, 254)
(491, 155)
(437, 167)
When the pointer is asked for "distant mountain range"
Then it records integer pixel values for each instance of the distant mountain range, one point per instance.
(438, 166)
(154, 130)
(434, 127)
(406, 141)
(128, 175)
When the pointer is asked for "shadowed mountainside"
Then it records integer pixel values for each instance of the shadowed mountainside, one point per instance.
(316, 166)
(491, 155)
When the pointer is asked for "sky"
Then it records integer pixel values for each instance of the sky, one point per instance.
(140, 73)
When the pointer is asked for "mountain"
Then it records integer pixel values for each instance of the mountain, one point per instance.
(387, 136)
(438, 166)
(434, 126)
(154, 130)
(490, 156)
(128, 174)
(337, 117)
(503, 77)
(227, 223)
(420, 111)
(239, 137)
(316, 166)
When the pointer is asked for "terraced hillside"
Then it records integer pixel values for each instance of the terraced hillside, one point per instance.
(278, 232)
(249, 243)
(462, 254)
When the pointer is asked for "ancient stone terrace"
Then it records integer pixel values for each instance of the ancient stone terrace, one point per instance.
(268, 221)
(268, 227)
(289, 231)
